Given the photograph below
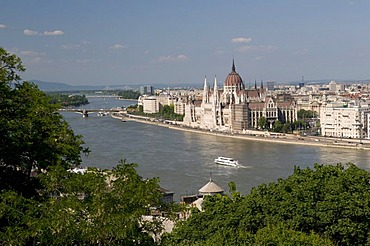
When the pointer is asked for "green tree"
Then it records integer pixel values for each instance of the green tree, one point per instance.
(262, 122)
(66, 100)
(10, 65)
(215, 225)
(141, 108)
(310, 207)
(299, 124)
(16, 214)
(303, 114)
(59, 207)
(33, 136)
(329, 200)
(280, 235)
(287, 127)
(95, 208)
(129, 94)
(166, 110)
(278, 126)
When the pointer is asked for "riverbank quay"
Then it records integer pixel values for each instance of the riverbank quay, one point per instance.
(253, 135)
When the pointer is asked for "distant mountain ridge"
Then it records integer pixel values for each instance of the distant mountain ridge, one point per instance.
(57, 86)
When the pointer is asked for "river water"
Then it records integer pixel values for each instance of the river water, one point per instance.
(183, 161)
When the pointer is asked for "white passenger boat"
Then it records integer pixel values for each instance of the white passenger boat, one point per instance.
(227, 161)
(102, 113)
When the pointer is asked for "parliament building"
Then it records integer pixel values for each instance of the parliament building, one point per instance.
(235, 108)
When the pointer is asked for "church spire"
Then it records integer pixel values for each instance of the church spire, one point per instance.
(205, 90)
(233, 67)
(215, 85)
(215, 91)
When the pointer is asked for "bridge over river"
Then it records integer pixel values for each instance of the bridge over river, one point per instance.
(102, 112)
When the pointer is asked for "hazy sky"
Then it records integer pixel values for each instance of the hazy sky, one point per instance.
(118, 42)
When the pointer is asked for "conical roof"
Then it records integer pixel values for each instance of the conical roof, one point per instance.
(210, 188)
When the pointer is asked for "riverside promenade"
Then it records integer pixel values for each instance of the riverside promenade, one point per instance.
(253, 135)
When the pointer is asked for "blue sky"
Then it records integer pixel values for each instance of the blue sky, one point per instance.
(118, 42)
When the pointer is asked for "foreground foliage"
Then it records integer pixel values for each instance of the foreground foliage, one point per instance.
(32, 135)
(318, 205)
(82, 209)
(58, 207)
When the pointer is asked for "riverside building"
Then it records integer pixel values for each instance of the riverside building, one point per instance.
(348, 121)
(233, 108)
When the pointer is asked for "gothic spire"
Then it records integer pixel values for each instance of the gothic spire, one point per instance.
(233, 67)
(215, 85)
(215, 91)
(205, 90)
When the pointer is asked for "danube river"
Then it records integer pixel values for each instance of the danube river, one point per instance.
(183, 161)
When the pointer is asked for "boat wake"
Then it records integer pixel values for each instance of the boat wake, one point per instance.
(241, 166)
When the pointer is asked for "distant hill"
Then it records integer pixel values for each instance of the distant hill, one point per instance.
(56, 86)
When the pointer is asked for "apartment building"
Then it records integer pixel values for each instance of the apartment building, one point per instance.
(150, 105)
(345, 121)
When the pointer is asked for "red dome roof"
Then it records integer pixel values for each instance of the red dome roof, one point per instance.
(234, 79)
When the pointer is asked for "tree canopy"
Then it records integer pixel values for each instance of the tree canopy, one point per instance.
(95, 208)
(66, 100)
(327, 205)
(262, 122)
(57, 206)
(303, 114)
(129, 94)
(33, 136)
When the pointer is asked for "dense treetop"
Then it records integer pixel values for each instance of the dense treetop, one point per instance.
(327, 205)
(82, 209)
(56, 206)
(32, 135)
(67, 100)
(129, 94)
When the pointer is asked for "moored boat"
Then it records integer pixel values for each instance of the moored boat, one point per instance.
(102, 113)
(227, 161)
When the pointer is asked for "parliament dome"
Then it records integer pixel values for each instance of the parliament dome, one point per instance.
(234, 79)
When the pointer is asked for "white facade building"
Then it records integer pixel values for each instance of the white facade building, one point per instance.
(150, 105)
(336, 87)
(179, 107)
(345, 122)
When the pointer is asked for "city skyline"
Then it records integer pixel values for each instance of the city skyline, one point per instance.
(171, 42)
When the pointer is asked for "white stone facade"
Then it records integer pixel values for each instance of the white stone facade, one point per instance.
(345, 121)
(236, 109)
(179, 107)
(150, 105)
